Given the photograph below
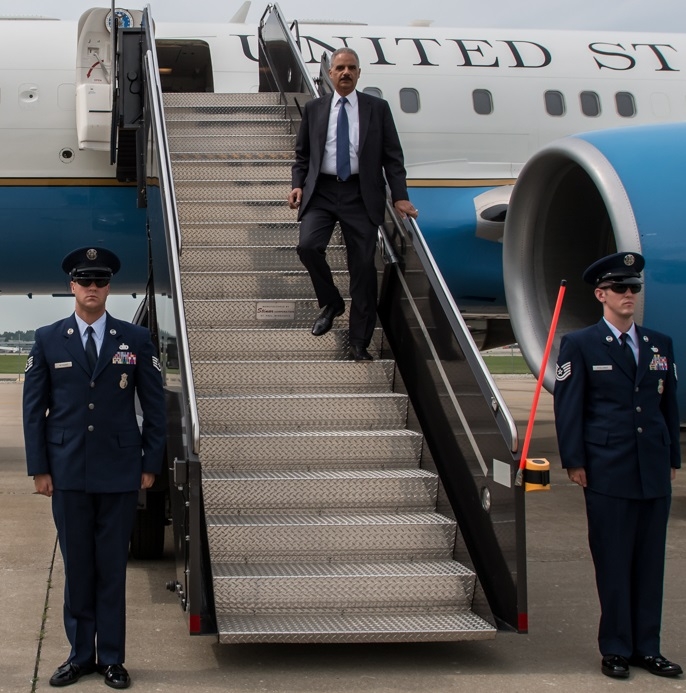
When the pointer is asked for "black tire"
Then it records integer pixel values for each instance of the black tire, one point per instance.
(147, 539)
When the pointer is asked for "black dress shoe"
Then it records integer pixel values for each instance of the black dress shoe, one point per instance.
(657, 665)
(615, 666)
(69, 673)
(325, 320)
(359, 353)
(115, 675)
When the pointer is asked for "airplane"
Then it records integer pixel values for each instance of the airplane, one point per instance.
(508, 209)
(9, 349)
(478, 111)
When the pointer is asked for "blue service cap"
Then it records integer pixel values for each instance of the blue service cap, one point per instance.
(91, 262)
(624, 268)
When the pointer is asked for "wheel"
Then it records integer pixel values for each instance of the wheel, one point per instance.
(147, 539)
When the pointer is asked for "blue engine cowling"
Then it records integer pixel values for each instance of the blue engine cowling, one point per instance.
(581, 198)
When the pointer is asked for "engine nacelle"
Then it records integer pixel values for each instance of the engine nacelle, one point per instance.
(584, 197)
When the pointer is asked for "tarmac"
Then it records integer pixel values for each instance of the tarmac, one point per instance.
(559, 653)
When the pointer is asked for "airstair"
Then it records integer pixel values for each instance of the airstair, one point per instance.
(307, 504)
(321, 523)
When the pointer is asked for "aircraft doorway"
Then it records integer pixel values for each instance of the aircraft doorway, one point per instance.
(185, 66)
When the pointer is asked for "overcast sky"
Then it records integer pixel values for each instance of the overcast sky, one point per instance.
(654, 15)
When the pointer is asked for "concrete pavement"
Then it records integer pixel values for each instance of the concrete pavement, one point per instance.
(559, 654)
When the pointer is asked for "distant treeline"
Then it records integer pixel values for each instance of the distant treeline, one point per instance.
(19, 336)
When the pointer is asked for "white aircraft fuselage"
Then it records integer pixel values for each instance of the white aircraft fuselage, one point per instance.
(471, 106)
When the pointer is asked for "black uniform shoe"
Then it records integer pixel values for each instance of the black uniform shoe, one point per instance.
(657, 665)
(359, 353)
(69, 673)
(615, 666)
(115, 676)
(325, 320)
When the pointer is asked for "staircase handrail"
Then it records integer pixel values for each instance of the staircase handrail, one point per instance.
(489, 389)
(297, 69)
(172, 226)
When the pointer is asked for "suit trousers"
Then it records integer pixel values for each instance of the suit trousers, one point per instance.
(627, 539)
(334, 201)
(94, 531)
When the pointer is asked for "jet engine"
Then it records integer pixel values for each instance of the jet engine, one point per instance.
(586, 196)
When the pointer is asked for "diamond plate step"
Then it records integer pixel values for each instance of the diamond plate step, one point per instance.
(290, 377)
(231, 143)
(322, 538)
(244, 233)
(231, 156)
(174, 114)
(329, 628)
(312, 450)
(298, 313)
(256, 285)
(241, 414)
(287, 587)
(257, 258)
(235, 210)
(229, 127)
(216, 99)
(226, 190)
(242, 169)
(380, 490)
(272, 344)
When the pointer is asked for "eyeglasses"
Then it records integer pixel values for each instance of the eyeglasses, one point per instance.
(622, 288)
(87, 281)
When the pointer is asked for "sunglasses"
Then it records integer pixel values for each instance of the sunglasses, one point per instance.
(621, 288)
(87, 281)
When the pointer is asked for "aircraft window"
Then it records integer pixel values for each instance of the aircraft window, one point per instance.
(374, 91)
(626, 105)
(555, 103)
(483, 101)
(590, 103)
(409, 100)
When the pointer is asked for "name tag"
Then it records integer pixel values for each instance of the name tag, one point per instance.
(603, 368)
(63, 364)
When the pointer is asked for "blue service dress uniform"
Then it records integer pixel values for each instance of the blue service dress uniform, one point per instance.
(623, 429)
(82, 429)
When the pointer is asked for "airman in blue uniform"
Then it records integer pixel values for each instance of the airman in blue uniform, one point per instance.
(618, 433)
(86, 451)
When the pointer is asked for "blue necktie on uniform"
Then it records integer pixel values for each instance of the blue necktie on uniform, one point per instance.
(342, 142)
(91, 351)
(628, 353)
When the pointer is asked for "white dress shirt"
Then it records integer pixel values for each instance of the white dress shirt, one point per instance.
(633, 337)
(98, 330)
(329, 160)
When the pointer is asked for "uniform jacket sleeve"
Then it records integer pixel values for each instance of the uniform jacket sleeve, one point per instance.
(151, 397)
(36, 400)
(568, 401)
(670, 408)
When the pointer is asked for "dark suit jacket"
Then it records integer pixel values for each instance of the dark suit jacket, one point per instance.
(624, 432)
(90, 439)
(379, 152)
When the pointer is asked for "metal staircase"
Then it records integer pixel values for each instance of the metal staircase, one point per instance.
(321, 521)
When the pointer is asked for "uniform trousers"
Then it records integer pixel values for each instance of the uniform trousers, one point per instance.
(334, 201)
(627, 539)
(94, 531)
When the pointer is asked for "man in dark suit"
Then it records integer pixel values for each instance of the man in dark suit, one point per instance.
(84, 449)
(618, 432)
(346, 142)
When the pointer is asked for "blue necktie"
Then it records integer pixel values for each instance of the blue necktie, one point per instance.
(628, 353)
(91, 351)
(342, 142)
